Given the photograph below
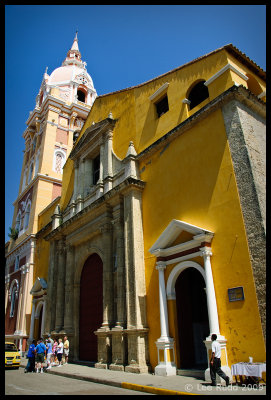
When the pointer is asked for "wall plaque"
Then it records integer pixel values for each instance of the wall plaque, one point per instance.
(236, 293)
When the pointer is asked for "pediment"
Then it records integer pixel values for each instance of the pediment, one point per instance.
(39, 286)
(179, 236)
(92, 137)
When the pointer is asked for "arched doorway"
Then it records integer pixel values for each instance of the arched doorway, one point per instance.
(192, 316)
(91, 307)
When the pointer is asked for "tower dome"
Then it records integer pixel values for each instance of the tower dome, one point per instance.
(72, 78)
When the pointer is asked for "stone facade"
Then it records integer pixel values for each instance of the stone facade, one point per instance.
(110, 226)
(246, 132)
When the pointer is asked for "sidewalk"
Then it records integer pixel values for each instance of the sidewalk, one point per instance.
(170, 385)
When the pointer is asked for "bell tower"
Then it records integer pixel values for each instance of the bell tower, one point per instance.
(63, 102)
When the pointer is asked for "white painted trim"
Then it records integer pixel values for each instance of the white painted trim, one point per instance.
(170, 289)
(224, 69)
(159, 91)
(63, 155)
(171, 233)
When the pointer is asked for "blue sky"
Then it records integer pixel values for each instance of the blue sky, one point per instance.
(123, 46)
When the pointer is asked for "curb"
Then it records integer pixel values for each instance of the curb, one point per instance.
(154, 390)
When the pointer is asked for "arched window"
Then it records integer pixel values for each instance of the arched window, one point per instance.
(59, 161)
(27, 214)
(34, 143)
(197, 94)
(18, 221)
(37, 163)
(81, 95)
(12, 305)
(13, 295)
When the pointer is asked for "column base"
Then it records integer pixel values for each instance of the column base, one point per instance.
(166, 357)
(101, 365)
(165, 369)
(116, 367)
(137, 369)
(119, 349)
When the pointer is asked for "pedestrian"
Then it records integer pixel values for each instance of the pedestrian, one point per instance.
(54, 352)
(66, 349)
(50, 339)
(215, 362)
(40, 351)
(49, 353)
(60, 352)
(31, 358)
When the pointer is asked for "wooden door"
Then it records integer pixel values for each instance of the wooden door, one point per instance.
(91, 307)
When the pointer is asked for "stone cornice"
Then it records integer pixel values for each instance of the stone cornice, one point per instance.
(129, 183)
(22, 243)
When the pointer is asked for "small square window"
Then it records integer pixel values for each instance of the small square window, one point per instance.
(162, 106)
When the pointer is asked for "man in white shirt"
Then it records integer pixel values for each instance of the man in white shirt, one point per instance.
(215, 362)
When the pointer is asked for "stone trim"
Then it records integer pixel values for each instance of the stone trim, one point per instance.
(240, 136)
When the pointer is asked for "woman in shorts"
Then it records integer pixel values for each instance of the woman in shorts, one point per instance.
(60, 352)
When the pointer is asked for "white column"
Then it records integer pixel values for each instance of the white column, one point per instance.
(164, 344)
(161, 266)
(213, 315)
(210, 292)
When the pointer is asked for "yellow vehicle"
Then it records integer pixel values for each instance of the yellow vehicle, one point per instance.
(12, 355)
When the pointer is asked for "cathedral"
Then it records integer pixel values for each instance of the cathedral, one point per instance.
(141, 218)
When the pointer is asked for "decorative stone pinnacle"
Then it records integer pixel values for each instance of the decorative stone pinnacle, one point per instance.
(131, 150)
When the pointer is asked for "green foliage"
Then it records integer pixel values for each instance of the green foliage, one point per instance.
(13, 233)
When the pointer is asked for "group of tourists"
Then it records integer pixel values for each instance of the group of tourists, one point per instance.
(54, 351)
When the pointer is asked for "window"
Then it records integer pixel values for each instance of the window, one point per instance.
(30, 172)
(13, 295)
(34, 143)
(96, 169)
(59, 161)
(37, 164)
(26, 217)
(81, 95)
(18, 221)
(12, 305)
(197, 94)
(17, 261)
(162, 106)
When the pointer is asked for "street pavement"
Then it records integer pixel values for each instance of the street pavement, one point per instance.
(149, 383)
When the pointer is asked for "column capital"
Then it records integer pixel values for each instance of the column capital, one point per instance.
(161, 265)
(206, 251)
(108, 135)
